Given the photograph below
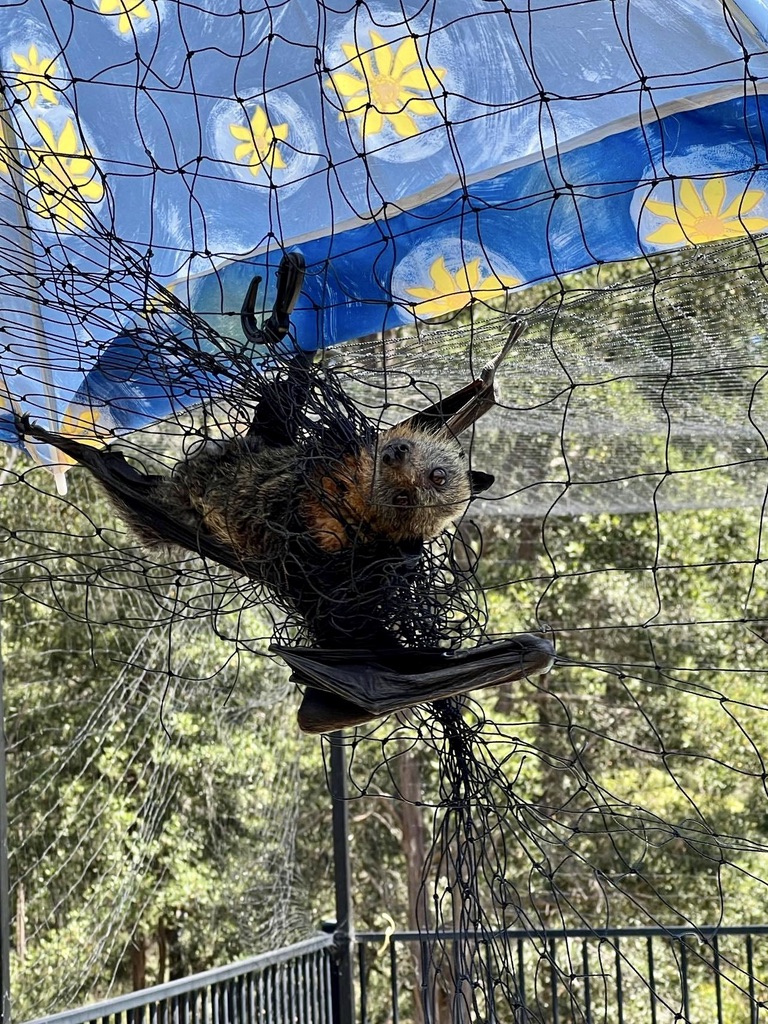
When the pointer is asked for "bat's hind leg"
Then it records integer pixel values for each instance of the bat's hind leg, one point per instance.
(290, 278)
(279, 412)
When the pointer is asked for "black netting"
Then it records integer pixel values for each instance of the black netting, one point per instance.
(432, 164)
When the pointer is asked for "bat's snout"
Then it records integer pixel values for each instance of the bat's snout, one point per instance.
(396, 453)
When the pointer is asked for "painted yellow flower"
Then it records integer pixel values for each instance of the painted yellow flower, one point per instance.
(387, 85)
(450, 292)
(35, 76)
(65, 176)
(161, 301)
(701, 214)
(259, 143)
(127, 8)
(82, 424)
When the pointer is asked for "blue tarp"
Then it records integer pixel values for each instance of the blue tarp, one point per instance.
(419, 155)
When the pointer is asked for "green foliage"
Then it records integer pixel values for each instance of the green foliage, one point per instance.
(154, 770)
(670, 732)
(167, 815)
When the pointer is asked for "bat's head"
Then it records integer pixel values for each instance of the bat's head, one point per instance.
(421, 482)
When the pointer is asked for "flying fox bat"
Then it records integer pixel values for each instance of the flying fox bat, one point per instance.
(332, 516)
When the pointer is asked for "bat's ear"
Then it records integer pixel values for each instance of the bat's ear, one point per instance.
(480, 482)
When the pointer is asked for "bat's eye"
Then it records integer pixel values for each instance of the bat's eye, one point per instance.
(438, 477)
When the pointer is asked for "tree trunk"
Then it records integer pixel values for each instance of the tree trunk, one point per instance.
(414, 850)
(139, 962)
(176, 964)
(162, 952)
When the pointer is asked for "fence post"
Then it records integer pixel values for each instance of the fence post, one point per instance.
(344, 987)
(5, 882)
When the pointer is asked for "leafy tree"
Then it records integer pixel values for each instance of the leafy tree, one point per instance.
(154, 771)
(166, 814)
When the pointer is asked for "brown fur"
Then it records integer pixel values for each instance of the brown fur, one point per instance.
(429, 508)
(242, 491)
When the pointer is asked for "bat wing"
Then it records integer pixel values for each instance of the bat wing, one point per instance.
(457, 412)
(136, 493)
(348, 687)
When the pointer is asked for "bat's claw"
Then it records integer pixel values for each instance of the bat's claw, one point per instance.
(247, 313)
(488, 372)
(290, 278)
(482, 394)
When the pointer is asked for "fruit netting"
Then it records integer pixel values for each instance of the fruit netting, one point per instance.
(154, 158)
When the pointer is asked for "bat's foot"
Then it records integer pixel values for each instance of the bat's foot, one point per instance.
(488, 372)
(290, 278)
(24, 425)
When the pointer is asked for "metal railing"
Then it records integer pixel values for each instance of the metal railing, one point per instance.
(293, 985)
(585, 975)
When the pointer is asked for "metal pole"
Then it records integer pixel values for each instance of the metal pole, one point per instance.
(5, 885)
(344, 995)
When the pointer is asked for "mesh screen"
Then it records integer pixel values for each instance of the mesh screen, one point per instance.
(165, 814)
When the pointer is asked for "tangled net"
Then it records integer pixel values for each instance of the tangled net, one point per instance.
(629, 449)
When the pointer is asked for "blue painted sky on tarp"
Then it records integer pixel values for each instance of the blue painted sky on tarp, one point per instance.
(418, 161)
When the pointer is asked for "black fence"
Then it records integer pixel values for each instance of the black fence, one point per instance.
(586, 975)
(289, 985)
(577, 976)
(589, 976)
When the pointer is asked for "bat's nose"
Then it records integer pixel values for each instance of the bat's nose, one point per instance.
(395, 453)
